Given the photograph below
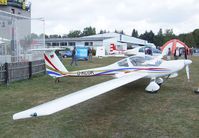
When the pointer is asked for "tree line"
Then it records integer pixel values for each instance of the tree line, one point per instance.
(191, 39)
(75, 33)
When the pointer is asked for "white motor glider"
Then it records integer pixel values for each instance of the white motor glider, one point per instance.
(124, 71)
(142, 51)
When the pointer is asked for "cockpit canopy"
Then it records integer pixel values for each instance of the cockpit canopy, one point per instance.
(139, 61)
(154, 50)
(123, 63)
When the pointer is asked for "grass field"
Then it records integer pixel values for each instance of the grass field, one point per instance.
(125, 112)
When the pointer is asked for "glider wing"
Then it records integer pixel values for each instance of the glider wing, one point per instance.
(78, 97)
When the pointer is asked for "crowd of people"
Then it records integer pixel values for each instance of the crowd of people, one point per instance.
(178, 53)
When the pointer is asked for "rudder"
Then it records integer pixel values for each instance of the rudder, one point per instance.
(54, 66)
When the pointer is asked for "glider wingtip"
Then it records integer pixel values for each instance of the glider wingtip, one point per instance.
(23, 115)
(16, 117)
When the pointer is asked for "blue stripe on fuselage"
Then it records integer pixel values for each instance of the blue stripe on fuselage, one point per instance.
(133, 69)
(53, 73)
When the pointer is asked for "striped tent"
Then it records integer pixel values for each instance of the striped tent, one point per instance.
(173, 44)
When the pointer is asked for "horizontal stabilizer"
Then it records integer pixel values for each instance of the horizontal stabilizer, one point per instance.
(47, 49)
(77, 97)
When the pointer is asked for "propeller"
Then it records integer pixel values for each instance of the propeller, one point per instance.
(188, 72)
(187, 63)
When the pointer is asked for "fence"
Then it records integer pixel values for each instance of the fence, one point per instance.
(18, 35)
(10, 72)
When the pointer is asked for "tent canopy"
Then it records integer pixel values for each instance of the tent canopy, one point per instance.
(173, 44)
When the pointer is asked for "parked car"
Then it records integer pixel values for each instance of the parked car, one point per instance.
(66, 54)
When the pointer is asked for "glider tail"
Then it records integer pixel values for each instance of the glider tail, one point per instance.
(54, 66)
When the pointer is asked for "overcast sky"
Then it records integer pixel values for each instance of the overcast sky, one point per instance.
(61, 16)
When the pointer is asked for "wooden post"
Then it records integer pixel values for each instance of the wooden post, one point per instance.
(30, 69)
(6, 73)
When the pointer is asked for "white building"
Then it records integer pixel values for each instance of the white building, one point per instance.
(121, 41)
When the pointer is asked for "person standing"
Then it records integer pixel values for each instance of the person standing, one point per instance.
(177, 53)
(149, 51)
(185, 52)
(74, 57)
(90, 54)
(169, 54)
(57, 52)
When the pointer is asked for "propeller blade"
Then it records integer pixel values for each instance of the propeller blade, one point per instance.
(187, 62)
(188, 72)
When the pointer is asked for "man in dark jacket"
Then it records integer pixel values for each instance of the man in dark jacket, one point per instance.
(74, 57)
(89, 54)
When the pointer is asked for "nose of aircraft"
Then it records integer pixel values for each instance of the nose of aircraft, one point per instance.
(187, 62)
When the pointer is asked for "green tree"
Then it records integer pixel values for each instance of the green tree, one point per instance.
(196, 37)
(144, 35)
(189, 40)
(103, 31)
(119, 32)
(54, 36)
(46, 36)
(134, 33)
(89, 31)
(168, 35)
(75, 33)
(116, 31)
(149, 36)
(159, 38)
(34, 36)
(42, 35)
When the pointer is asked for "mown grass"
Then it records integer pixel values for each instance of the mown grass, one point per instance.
(125, 112)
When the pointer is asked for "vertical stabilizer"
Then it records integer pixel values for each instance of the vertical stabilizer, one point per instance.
(54, 66)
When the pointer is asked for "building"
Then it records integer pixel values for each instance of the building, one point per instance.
(17, 7)
(121, 41)
(15, 32)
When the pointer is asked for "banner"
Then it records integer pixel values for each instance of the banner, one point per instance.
(3, 2)
(82, 53)
(100, 51)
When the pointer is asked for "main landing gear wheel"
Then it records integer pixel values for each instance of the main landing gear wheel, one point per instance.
(196, 91)
(159, 81)
(152, 92)
(57, 80)
(152, 88)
